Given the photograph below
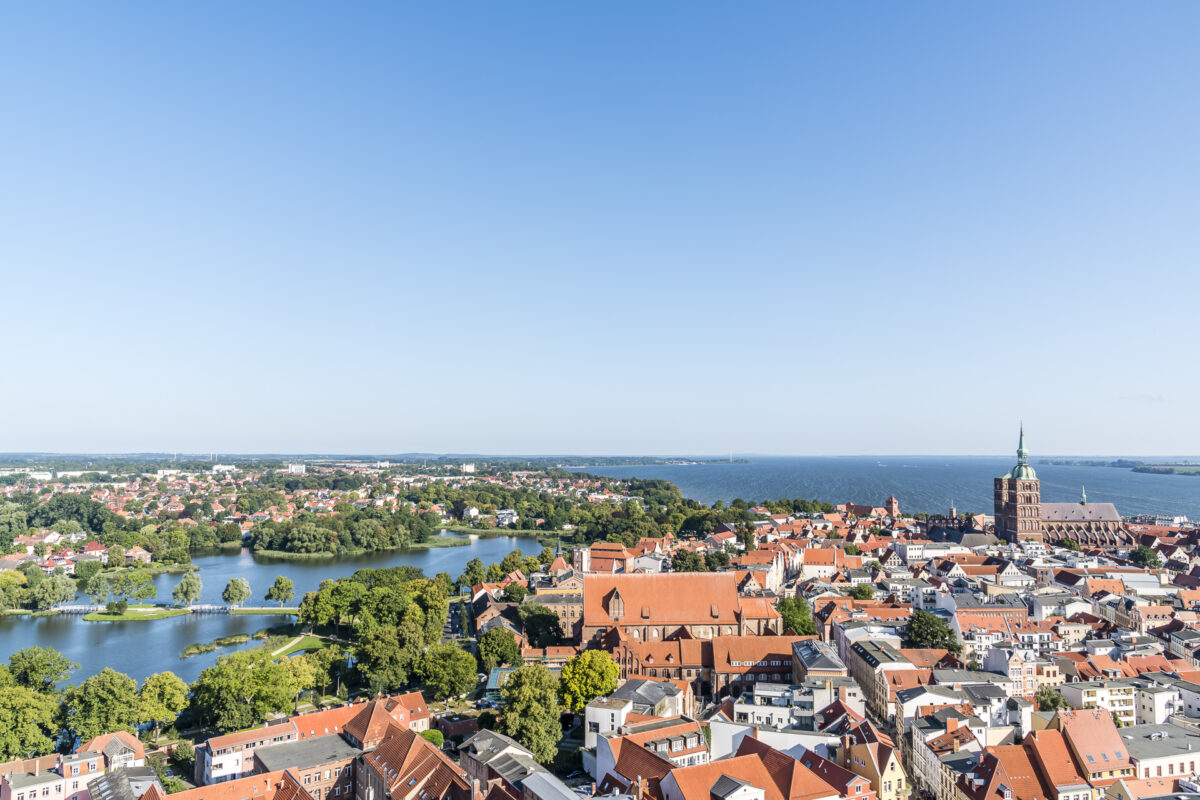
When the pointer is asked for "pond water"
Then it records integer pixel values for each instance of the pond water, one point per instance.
(140, 649)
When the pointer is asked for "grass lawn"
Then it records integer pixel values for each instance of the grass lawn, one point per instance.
(292, 610)
(306, 642)
(140, 612)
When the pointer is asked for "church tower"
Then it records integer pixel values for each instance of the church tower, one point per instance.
(1018, 500)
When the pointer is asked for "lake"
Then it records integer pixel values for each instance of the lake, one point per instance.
(920, 483)
(140, 649)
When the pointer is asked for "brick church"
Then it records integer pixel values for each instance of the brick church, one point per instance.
(1022, 516)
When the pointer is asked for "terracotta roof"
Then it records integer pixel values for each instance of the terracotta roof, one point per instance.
(266, 732)
(1009, 765)
(321, 723)
(1094, 739)
(373, 718)
(1049, 750)
(413, 767)
(268, 786)
(100, 743)
(666, 598)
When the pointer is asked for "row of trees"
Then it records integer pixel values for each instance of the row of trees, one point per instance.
(351, 529)
(36, 710)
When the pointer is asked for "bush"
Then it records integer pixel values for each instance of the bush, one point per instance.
(116, 607)
(434, 736)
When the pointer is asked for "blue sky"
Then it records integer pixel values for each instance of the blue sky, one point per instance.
(795, 228)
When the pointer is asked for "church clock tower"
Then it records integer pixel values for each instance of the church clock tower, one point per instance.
(1018, 500)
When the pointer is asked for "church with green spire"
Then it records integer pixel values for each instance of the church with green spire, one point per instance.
(1022, 516)
(1018, 500)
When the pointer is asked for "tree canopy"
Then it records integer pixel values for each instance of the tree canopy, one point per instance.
(531, 711)
(927, 630)
(585, 677)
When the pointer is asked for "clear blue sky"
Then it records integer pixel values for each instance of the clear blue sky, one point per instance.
(604, 227)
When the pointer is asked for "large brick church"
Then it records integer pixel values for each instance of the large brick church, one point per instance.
(1022, 516)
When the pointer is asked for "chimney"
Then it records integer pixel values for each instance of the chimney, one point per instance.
(951, 725)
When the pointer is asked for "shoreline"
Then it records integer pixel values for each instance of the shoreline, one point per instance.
(432, 544)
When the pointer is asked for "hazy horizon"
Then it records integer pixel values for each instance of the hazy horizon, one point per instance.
(516, 455)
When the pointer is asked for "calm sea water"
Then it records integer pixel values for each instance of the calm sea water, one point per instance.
(140, 649)
(921, 483)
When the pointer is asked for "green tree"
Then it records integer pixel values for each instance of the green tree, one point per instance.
(434, 736)
(1050, 699)
(237, 591)
(542, 626)
(389, 656)
(448, 671)
(281, 591)
(187, 591)
(1145, 557)
(98, 588)
(29, 727)
(585, 677)
(531, 711)
(104, 703)
(863, 591)
(53, 591)
(40, 668)
(796, 616)
(84, 570)
(1069, 544)
(243, 688)
(515, 592)
(927, 630)
(687, 561)
(160, 700)
(475, 573)
(496, 647)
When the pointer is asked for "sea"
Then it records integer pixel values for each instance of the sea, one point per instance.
(921, 483)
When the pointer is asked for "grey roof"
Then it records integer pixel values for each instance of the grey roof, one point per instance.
(984, 692)
(904, 695)
(816, 655)
(968, 677)
(726, 785)
(307, 753)
(555, 598)
(966, 538)
(547, 787)
(514, 767)
(961, 762)
(1080, 512)
(1155, 741)
(82, 755)
(127, 783)
(876, 653)
(486, 745)
(644, 694)
(26, 779)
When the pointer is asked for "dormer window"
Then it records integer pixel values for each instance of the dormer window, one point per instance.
(616, 605)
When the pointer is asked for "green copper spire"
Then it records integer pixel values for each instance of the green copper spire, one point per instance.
(1023, 471)
(1083, 495)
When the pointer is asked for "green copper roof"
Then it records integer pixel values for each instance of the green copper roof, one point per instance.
(1022, 471)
